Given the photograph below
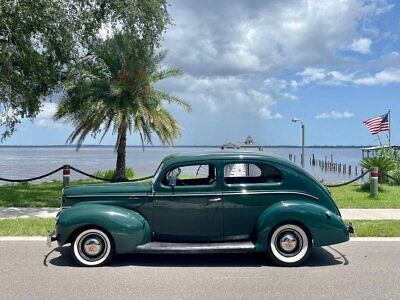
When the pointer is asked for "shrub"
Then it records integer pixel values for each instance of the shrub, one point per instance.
(384, 163)
(110, 174)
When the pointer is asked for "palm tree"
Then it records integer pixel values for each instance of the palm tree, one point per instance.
(113, 89)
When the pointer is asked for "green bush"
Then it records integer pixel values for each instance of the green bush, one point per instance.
(385, 165)
(110, 174)
(386, 161)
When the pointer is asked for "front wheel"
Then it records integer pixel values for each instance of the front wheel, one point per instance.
(92, 248)
(289, 245)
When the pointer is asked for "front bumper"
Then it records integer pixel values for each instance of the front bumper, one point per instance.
(351, 229)
(51, 237)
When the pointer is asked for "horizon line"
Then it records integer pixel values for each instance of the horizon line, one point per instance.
(179, 146)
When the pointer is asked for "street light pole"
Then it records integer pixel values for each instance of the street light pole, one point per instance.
(303, 140)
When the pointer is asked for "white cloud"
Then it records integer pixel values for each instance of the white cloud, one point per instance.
(335, 115)
(325, 77)
(45, 117)
(47, 110)
(322, 76)
(384, 77)
(230, 95)
(47, 123)
(267, 114)
(237, 37)
(362, 46)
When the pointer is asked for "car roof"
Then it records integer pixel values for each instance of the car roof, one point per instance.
(224, 154)
(193, 157)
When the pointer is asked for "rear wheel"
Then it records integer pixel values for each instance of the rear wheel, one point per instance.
(289, 245)
(92, 248)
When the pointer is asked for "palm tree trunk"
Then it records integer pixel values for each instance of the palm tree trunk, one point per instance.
(121, 154)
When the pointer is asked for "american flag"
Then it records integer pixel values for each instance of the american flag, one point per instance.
(378, 124)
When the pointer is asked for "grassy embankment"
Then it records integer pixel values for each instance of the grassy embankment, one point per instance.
(40, 227)
(357, 196)
(49, 194)
(33, 195)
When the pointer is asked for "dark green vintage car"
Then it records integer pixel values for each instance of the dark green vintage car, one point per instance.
(219, 202)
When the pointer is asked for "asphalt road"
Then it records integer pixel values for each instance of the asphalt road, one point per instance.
(355, 270)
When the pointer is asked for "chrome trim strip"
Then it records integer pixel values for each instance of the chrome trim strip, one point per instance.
(237, 193)
(197, 194)
(187, 194)
(108, 195)
(270, 192)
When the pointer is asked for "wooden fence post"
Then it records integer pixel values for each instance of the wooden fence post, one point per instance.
(66, 173)
(374, 184)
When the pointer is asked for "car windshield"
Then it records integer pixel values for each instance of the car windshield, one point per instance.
(160, 167)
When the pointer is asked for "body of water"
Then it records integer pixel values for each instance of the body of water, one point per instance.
(25, 162)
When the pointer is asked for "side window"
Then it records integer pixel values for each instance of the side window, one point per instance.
(244, 173)
(192, 175)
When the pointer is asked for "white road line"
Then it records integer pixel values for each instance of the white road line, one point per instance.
(23, 238)
(375, 239)
(43, 239)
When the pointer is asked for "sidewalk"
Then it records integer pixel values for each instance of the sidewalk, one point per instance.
(21, 212)
(370, 214)
(347, 214)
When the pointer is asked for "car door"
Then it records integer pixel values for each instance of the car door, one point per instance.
(191, 210)
(249, 187)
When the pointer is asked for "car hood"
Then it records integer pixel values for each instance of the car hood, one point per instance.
(142, 187)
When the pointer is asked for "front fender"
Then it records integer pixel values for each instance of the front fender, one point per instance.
(127, 228)
(325, 227)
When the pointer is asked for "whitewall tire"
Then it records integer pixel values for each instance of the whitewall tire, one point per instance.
(289, 245)
(92, 248)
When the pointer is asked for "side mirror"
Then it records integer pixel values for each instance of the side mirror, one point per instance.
(172, 180)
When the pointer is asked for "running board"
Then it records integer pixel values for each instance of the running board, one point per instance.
(196, 248)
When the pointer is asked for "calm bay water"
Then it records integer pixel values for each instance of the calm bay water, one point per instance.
(25, 162)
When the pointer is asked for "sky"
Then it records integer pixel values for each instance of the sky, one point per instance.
(250, 66)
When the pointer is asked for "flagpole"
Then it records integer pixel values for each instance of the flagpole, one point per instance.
(390, 129)
(379, 139)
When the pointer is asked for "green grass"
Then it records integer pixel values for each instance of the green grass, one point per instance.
(357, 196)
(377, 228)
(49, 194)
(26, 226)
(33, 195)
(40, 227)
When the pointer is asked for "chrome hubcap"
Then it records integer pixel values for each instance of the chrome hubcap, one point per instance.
(92, 246)
(288, 242)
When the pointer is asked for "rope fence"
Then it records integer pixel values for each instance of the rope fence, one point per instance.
(67, 168)
(391, 177)
(66, 173)
(33, 178)
(350, 181)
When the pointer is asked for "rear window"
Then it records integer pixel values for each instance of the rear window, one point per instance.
(247, 173)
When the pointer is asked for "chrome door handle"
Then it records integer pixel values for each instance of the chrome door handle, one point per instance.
(214, 199)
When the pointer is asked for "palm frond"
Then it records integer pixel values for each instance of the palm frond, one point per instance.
(115, 89)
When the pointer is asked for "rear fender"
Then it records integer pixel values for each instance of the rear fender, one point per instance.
(127, 228)
(323, 226)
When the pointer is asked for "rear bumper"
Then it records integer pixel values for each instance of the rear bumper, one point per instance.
(51, 237)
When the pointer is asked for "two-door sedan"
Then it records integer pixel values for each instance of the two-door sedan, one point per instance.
(220, 202)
